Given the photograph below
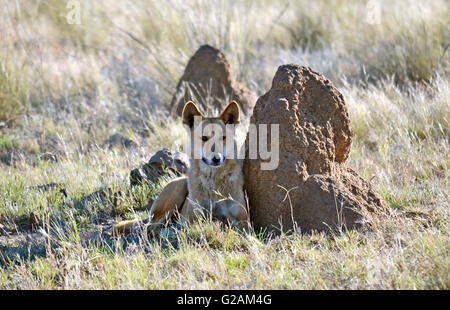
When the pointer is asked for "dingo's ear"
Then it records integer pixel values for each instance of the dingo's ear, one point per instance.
(190, 110)
(231, 114)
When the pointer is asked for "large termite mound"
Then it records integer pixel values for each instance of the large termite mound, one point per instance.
(312, 188)
(209, 82)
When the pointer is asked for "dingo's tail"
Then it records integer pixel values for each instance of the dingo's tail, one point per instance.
(125, 227)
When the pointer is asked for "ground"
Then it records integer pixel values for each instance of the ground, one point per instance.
(67, 88)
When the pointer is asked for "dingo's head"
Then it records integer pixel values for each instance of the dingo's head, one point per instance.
(212, 138)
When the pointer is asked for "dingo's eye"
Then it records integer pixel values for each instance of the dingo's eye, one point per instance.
(204, 138)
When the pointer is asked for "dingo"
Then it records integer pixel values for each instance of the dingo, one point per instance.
(214, 182)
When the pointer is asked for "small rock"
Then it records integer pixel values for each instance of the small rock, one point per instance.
(120, 140)
(7, 158)
(163, 162)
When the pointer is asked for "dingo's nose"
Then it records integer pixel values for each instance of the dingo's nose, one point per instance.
(216, 159)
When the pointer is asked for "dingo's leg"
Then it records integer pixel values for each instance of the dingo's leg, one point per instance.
(169, 201)
(231, 212)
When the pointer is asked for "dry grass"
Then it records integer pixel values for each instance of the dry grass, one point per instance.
(65, 89)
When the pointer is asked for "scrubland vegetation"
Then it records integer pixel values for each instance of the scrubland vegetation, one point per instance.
(66, 88)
